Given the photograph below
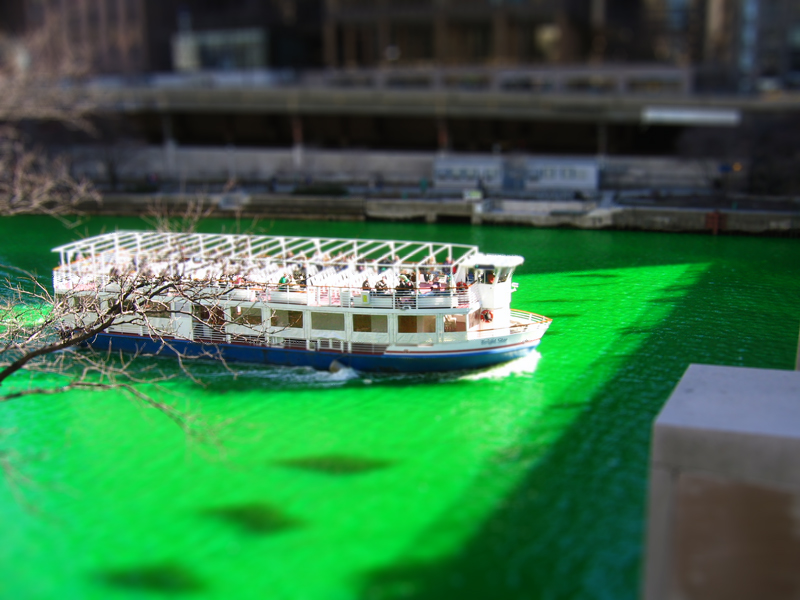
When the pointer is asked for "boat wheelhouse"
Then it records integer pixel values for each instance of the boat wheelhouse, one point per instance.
(373, 305)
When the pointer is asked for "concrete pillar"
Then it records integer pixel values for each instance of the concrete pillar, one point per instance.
(568, 42)
(723, 518)
(500, 37)
(383, 32)
(440, 40)
(102, 33)
(64, 11)
(86, 38)
(230, 154)
(383, 39)
(598, 14)
(122, 35)
(443, 135)
(602, 139)
(329, 45)
(170, 146)
(297, 142)
(330, 42)
(598, 18)
(350, 45)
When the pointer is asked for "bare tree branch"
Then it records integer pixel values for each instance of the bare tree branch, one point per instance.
(42, 333)
(40, 81)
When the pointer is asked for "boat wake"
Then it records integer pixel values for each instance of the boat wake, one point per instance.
(287, 377)
(283, 377)
(521, 366)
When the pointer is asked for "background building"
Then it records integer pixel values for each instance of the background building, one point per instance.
(543, 77)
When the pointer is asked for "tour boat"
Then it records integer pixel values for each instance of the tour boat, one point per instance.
(372, 305)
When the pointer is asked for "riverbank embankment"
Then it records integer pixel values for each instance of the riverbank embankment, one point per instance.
(757, 218)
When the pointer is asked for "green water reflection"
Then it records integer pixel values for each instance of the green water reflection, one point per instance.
(526, 481)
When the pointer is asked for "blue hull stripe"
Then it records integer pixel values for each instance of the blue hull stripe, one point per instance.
(321, 359)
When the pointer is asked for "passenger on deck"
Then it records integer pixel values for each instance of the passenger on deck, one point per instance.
(406, 284)
(403, 289)
(300, 276)
(381, 285)
(366, 286)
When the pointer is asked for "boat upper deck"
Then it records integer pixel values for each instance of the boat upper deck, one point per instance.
(150, 247)
(292, 270)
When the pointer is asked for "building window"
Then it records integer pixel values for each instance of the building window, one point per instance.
(219, 50)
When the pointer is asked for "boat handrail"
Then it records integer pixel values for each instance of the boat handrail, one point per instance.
(320, 293)
(524, 315)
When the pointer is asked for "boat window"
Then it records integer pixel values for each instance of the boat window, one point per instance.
(455, 323)
(474, 319)
(287, 318)
(85, 302)
(481, 275)
(423, 324)
(158, 310)
(371, 323)
(213, 315)
(246, 316)
(504, 274)
(329, 321)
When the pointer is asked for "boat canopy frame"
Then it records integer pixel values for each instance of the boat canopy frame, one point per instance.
(153, 246)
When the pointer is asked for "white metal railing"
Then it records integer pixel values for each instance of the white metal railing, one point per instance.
(521, 322)
(528, 317)
(320, 294)
(128, 328)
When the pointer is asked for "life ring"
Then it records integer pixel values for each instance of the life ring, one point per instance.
(487, 316)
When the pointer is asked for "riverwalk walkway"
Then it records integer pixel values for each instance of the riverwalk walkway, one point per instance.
(643, 210)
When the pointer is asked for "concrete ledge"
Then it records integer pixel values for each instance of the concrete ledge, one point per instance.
(429, 210)
(723, 518)
(734, 422)
(255, 205)
(538, 214)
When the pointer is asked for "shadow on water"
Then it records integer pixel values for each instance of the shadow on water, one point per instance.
(563, 315)
(638, 331)
(572, 528)
(255, 518)
(559, 300)
(336, 464)
(166, 578)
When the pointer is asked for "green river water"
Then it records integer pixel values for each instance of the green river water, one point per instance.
(525, 481)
